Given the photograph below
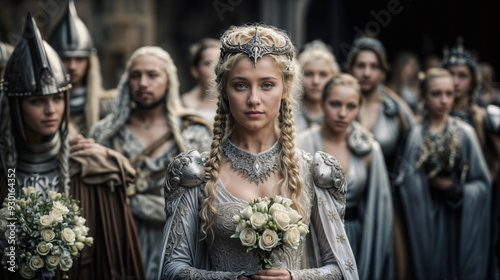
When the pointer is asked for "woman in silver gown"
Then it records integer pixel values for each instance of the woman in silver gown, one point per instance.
(445, 191)
(253, 155)
(369, 213)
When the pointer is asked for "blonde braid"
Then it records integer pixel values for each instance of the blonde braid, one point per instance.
(291, 183)
(212, 168)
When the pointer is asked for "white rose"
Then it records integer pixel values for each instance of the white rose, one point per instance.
(281, 219)
(68, 235)
(303, 229)
(247, 212)
(26, 272)
(287, 202)
(89, 240)
(46, 220)
(241, 226)
(29, 191)
(52, 260)
(268, 240)
(292, 237)
(60, 207)
(65, 263)
(294, 216)
(48, 234)
(258, 220)
(236, 219)
(84, 230)
(80, 221)
(3, 226)
(80, 238)
(275, 207)
(56, 215)
(4, 213)
(43, 248)
(248, 237)
(36, 262)
(52, 195)
(78, 231)
(261, 206)
(79, 245)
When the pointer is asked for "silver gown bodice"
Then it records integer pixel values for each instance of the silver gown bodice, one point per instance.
(356, 180)
(387, 131)
(227, 254)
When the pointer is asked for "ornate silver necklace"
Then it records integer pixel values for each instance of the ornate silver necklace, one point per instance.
(256, 167)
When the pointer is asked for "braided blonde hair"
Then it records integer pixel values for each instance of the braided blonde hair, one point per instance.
(174, 107)
(290, 184)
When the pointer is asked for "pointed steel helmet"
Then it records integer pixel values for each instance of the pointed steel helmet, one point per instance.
(71, 37)
(34, 68)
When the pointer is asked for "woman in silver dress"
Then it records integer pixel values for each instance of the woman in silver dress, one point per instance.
(253, 155)
(445, 191)
(369, 213)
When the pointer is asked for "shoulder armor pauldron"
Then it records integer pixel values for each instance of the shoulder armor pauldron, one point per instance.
(360, 140)
(185, 171)
(328, 174)
(492, 119)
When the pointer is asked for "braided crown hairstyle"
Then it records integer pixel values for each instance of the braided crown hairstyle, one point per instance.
(290, 183)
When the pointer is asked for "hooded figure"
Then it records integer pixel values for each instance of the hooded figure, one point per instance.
(33, 144)
(88, 100)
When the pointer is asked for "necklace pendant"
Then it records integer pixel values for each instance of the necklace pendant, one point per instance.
(147, 127)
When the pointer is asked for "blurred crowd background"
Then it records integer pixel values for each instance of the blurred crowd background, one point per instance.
(118, 27)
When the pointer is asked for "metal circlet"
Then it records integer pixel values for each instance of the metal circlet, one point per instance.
(255, 48)
(256, 167)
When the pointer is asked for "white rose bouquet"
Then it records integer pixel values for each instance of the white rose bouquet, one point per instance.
(267, 224)
(48, 232)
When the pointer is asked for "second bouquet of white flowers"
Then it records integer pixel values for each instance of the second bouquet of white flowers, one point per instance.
(49, 233)
(267, 224)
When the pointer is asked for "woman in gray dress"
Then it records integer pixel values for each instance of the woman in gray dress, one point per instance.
(445, 191)
(369, 213)
(253, 155)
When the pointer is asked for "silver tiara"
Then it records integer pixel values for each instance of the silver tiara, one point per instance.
(255, 48)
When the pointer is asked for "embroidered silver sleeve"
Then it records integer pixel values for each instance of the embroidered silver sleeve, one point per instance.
(316, 274)
(328, 174)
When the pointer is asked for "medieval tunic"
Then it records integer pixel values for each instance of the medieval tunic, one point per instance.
(369, 213)
(448, 231)
(148, 202)
(329, 255)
